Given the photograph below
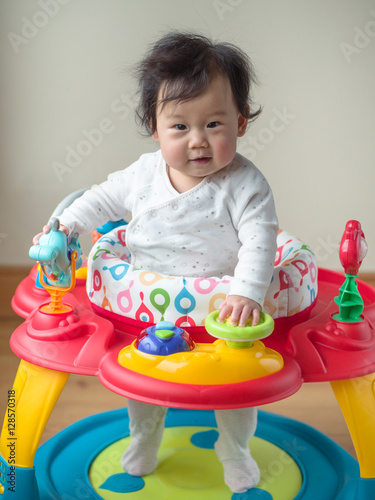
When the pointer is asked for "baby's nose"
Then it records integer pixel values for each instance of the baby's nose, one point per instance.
(198, 139)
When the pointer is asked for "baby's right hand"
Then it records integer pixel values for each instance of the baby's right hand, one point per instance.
(47, 229)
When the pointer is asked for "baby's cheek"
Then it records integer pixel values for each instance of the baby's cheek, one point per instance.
(226, 149)
(172, 154)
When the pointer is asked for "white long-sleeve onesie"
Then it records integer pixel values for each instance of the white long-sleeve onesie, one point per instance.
(226, 225)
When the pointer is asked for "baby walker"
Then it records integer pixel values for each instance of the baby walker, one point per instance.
(193, 369)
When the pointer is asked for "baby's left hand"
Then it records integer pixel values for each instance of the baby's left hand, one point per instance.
(240, 308)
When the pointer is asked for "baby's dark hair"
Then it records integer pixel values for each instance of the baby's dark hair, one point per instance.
(184, 64)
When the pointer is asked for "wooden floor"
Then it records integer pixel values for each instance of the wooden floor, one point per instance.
(314, 404)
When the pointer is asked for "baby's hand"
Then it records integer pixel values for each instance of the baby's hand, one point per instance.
(240, 308)
(47, 229)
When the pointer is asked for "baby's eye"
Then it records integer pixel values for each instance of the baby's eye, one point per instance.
(180, 126)
(212, 124)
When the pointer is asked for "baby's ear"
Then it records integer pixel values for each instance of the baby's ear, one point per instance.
(155, 136)
(242, 125)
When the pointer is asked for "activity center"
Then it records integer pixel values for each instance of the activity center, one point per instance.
(156, 339)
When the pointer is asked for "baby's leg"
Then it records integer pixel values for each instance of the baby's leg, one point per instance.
(146, 429)
(236, 428)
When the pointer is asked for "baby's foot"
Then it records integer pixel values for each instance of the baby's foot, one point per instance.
(241, 475)
(139, 459)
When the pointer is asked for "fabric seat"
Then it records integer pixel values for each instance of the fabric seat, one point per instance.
(114, 284)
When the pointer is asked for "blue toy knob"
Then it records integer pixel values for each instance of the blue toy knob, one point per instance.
(163, 339)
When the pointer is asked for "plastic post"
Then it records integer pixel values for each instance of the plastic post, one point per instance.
(366, 489)
(17, 483)
(349, 301)
(357, 402)
(353, 249)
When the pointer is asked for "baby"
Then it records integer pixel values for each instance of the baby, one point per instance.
(197, 207)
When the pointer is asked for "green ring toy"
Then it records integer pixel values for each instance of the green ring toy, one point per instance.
(237, 335)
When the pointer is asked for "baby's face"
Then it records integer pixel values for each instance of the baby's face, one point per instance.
(199, 137)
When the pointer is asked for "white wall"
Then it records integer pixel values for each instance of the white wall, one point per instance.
(62, 74)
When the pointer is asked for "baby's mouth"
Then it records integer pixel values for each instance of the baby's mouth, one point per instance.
(201, 160)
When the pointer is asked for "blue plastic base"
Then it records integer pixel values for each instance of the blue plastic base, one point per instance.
(18, 483)
(328, 471)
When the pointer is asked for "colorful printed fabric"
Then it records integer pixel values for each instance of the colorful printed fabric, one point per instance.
(114, 284)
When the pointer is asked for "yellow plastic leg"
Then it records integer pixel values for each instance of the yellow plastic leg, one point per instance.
(34, 395)
(357, 401)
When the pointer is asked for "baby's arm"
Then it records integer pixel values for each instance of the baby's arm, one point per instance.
(240, 308)
(255, 219)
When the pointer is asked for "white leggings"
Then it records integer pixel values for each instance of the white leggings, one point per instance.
(236, 427)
